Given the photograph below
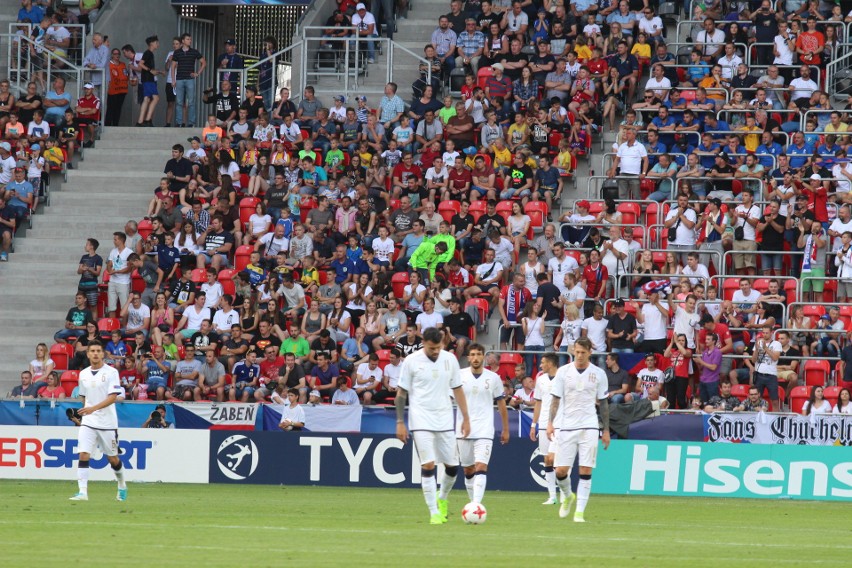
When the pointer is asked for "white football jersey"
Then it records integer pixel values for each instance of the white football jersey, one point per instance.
(429, 385)
(543, 384)
(480, 393)
(579, 391)
(96, 386)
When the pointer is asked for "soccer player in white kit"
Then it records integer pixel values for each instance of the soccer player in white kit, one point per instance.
(427, 377)
(100, 388)
(481, 389)
(580, 387)
(541, 417)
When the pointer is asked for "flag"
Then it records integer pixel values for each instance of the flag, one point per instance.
(228, 416)
(322, 418)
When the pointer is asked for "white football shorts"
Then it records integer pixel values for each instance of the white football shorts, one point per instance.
(474, 451)
(571, 442)
(89, 438)
(437, 447)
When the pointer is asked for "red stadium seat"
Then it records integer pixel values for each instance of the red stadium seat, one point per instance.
(247, 208)
(656, 213)
(761, 285)
(508, 361)
(447, 209)
(730, 286)
(61, 354)
(791, 286)
(504, 208)
(596, 207)
(107, 326)
(816, 372)
(482, 76)
(242, 256)
(629, 212)
(145, 228)
(482, 306)
(477, 209)
(226, 279)
(814, 312)
(740, 391)
(536, 206)
(137, 284)
(69, 380)
(798, 396)
(831, 394)
(398, 282)
(199, 275)
(384, 357)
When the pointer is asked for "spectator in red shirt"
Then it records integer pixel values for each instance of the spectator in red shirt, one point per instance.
(595, 275)
(499, 85)
(89, 112)
(459, 181)
(402, 171)
(270, 365)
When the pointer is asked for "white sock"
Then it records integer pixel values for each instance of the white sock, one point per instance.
(564, 485)
(479, 481)
(119, 476)
(550, 479)
(468, 484)
(83, 480)
(430, 487)
(584, 489)
(447, 483)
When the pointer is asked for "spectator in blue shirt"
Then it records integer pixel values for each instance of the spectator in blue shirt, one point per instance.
(707, 149)
(56, 102)
(31, 12)
(628, 69)
(344, 269)
(20, 195)
(715, 126)
(768, 148)
(798, 151)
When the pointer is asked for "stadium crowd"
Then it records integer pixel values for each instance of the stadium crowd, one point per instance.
(308, 245)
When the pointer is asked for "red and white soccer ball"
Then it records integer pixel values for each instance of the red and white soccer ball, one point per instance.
(474, 513)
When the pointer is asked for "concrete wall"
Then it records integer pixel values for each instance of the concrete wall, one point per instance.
(131, 21)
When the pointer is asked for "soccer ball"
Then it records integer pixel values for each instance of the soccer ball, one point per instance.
(474, 513)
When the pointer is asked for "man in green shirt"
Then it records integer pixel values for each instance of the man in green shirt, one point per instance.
(444, 236)
(426, 258)
(296, 344)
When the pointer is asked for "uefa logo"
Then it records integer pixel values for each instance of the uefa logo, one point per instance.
(537, 468)
(237, 457)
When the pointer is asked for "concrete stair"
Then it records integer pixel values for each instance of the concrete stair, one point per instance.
(412, 33)
(113, 184)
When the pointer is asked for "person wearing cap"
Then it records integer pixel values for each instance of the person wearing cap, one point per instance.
(96, 59)
(470, 45)
(366, 24)
(185, 73)
(499, 85)
(230, 60)
(722, 174)
(89, 113)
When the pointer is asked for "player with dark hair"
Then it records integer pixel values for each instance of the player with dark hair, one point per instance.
(100, 387)
(427, 377)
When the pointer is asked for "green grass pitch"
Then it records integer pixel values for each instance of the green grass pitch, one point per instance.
(226, 525)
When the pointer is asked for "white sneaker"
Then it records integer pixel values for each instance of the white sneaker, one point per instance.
(565, 508)
(550, 501)
(579, 518)
(79, 497)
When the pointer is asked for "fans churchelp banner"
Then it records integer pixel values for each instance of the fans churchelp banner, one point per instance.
(763, 428)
